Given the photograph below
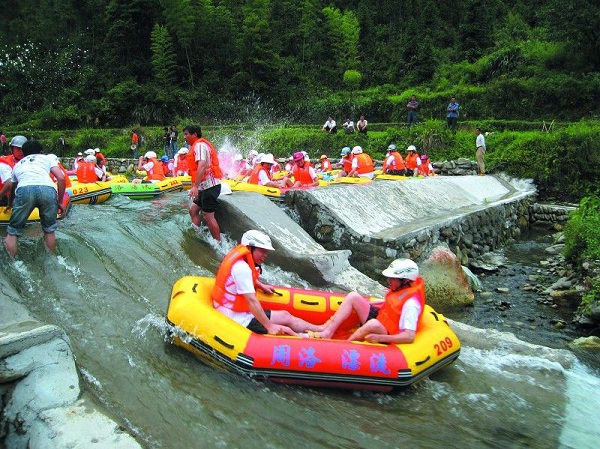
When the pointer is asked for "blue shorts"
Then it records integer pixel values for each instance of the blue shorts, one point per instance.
(28, 198)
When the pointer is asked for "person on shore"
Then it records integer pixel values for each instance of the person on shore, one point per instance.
(304, 174)
(330, 126)
(348, 126)
(203, 166)
(398, 318)
(480, 153)
(413, 109)
(32, 187)
(361, 125)
(393, 163)
(6, 167)
(237, 280)
(452, 114)
(167, 140)
(61, 146)
(135, 142)
(362, 164)
(173, 138)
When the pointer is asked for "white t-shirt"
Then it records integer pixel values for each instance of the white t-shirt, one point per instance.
(263, 178)
(480, 141)
(409, 317)
(239, 282)
(5, 172)
(34, 170)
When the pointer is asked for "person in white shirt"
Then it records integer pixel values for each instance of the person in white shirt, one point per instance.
(480, 153)
(32, 187)
(396, 321)
(330, 126)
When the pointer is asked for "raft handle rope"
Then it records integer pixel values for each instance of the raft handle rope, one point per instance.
(275, 292)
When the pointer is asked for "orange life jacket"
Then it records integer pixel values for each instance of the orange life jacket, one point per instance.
(165, 167)
(8, 160)
(220, 295)
(302, 174)
(325, 165)
(67, 179)
(86, 172)
(389, 314)
(214, 167)
(365, 163)
(156, 173)
(254, 176)
(411, 160)
(398, 163)
(101, 156)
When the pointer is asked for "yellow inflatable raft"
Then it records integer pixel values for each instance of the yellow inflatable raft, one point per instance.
(218, 340)
(34, 216)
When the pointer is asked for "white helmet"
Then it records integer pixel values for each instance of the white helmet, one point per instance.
(266, 159)
(257, 239)
(252, 153)
(90, 151)
(18, 141)
(402, 269)
(96, 150)
(150, 154)
(238, 157)
(90, 158)
(357, 150)
(411, 148)
(183, 150)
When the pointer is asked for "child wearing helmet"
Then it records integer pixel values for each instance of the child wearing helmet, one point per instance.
(412, 161)
(345, 162)
(234, 293)
(425, 168)
(397, 319)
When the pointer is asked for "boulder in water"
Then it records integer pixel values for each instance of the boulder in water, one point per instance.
(446, 283)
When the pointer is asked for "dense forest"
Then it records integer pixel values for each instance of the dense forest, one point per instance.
(111, 63)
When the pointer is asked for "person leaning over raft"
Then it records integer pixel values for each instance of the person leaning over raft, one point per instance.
(397, 320)
(32, 187)
(234, 293)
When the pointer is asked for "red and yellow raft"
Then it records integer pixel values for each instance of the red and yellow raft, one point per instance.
(338, 363)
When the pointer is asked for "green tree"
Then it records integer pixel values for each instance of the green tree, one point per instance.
(163, 56)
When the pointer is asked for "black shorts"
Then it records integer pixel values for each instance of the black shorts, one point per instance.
(255, 326)
(208, 199)
(373, 312)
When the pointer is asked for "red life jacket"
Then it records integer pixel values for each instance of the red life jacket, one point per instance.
(165, 167)
(220, 294)
(86, 172)
(325, 165)
(302, 174)
(192, 164)
(347, 164)
(390, 312)
(8, 160)
(182, 163)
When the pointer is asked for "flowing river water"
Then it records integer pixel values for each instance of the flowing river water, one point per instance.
(108, 287)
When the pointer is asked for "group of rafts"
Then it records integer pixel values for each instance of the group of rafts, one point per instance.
(335, 362)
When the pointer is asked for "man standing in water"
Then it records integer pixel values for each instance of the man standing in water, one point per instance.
(32, 187)
(203, 166)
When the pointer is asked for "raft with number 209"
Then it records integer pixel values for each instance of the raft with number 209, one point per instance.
(218, 340)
